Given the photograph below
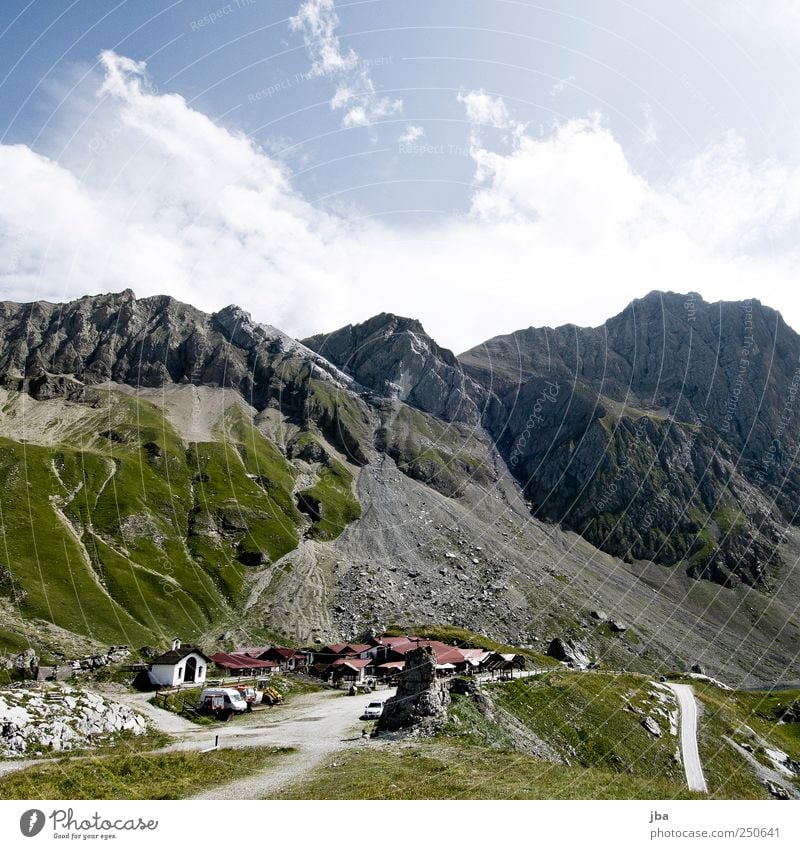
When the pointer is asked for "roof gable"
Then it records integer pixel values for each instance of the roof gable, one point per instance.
(174, 656)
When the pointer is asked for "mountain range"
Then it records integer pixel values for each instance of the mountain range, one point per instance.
(165, 470)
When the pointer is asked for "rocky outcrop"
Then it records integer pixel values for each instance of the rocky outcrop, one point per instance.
(422, 700)
(60, 720)
(24, 665)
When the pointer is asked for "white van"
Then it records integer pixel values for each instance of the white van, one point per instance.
(231, 699)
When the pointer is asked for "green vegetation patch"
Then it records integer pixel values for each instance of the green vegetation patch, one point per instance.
(735, 714)
(595, 719)
(175, 775)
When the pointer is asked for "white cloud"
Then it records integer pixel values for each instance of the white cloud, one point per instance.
(486, 110)
(355, 92)
(411, 134)
(317, 21)
(154, 196)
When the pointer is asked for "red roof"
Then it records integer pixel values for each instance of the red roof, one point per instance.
(444, 652)
(353, 663)
(357, 648)
(240, 661)
(394, 641)
(333, 648)
(284, 652)
(252, 651)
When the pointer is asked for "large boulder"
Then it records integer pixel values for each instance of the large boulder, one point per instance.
(568, 651)
(26, 663)
(422, 701)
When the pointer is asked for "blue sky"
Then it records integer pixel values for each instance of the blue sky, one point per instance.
(483, 165)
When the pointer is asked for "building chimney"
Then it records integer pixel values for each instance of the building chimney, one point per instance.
(176, 644)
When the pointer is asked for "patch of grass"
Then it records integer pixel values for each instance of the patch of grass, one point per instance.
(467, 725)
(175, 775)
(241, 514)
(731, 520)
(338, 505)
(292, 685)
(111, 744)
(175, 702)
(436, 771)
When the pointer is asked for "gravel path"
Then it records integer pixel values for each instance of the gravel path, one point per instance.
(691, 755)
(317, 725)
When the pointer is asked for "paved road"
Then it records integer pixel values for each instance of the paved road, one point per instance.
(691, 756)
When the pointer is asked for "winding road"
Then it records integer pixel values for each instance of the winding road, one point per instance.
(691, 756)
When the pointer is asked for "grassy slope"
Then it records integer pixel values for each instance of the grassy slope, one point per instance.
(582, 716)
(137, 776)
(436, 771)
(445, 456)
(585, 718)
(124, 534)
(725, 714)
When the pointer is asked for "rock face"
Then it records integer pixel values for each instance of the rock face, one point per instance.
(56, 350)
(667, 434)
(422, 700)
(60, 720)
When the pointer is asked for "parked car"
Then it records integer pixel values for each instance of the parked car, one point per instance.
(373, 710)
(222, 701)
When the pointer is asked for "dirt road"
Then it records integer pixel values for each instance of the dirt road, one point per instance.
(316, 724)
(691, 755)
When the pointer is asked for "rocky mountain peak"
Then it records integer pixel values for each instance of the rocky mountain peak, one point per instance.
(395, 357)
